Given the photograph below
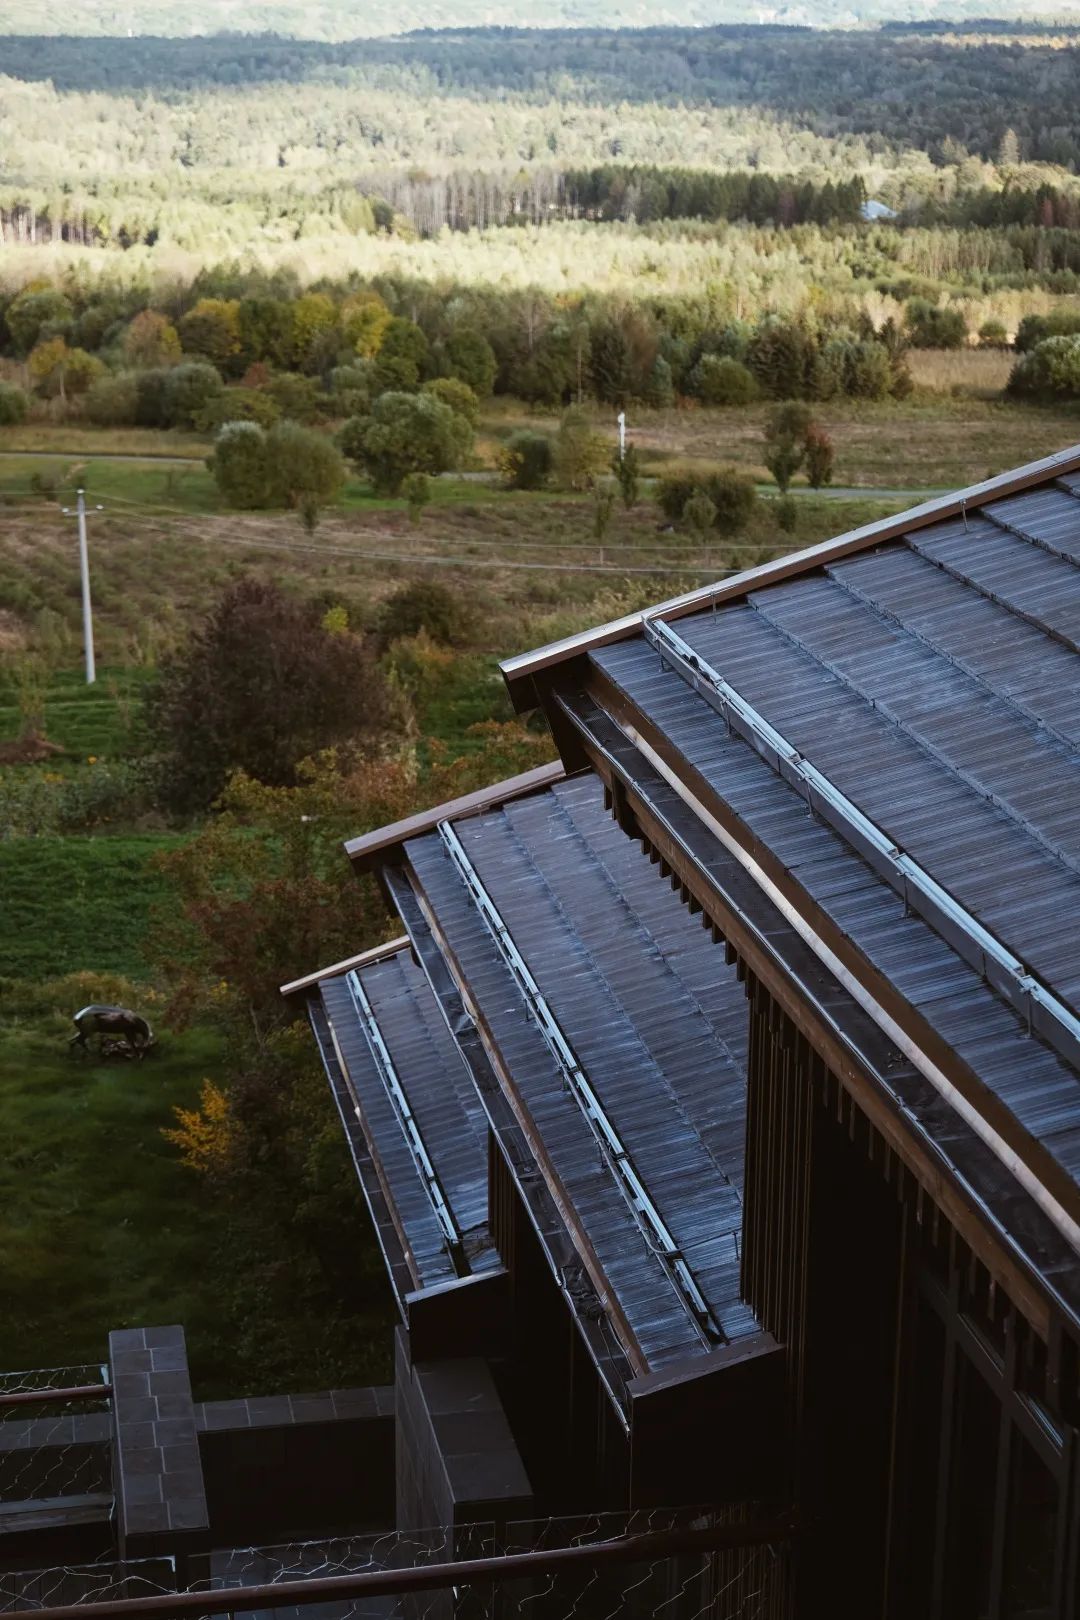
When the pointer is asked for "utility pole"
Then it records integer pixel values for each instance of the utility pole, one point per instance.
(621, 419)
(84, 569)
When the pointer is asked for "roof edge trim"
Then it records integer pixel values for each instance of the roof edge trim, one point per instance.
(312, 981)
(520, 672)
(370, 848)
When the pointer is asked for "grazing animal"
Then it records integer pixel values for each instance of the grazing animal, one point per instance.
(119, 1028)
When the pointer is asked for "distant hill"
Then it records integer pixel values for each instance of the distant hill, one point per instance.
(352, 19)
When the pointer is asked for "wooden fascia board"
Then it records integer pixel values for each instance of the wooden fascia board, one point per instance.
(373, 848)
(377, 953)
(526, 673)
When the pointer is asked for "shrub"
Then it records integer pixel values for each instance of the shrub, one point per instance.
(402, 356)
(627, 470)
(787, 513)
(468, 357)
(409, 433)
(458, 395)
(868, 372)
(1034, 329)
(260, 685)
(734, 495)
(425, 606)
(785, 436)
(238, 463)
(13, 405)
(1051, 369)
(416, 489)
(719, 380)
(302, 465)
(236, 405)
(699, 514)
(526, 461)
(151, 340)
(992, 335)
(934, 326)
(186, 391)
(820, 455)
(674, 490)
(578, 453)
(151, 409)
(295, 397)
(113, 401)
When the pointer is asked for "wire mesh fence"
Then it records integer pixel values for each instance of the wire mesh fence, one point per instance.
(619, 1566)
(53, 1446)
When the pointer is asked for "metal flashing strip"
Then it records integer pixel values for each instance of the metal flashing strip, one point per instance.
(649, 1220)
(1043, 1012)
(384, 1063)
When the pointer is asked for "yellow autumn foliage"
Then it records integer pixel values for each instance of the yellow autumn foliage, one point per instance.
(204, 1135)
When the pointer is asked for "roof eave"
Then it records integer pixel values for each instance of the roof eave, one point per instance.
(521, 673)
(376, 848)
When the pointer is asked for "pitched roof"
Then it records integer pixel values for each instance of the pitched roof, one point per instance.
(918, 690)
(614, 1033)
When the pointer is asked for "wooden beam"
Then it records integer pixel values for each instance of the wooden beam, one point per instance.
(377, 953)
(371, 848)
(521, 673)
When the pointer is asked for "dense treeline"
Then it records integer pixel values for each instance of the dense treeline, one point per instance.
(921, 90)
(332, 352)
(349, 19)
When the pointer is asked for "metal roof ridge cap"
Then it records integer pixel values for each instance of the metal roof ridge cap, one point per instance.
(363, 849)
(523, 666)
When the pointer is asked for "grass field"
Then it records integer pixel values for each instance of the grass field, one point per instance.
(931, 441)
(78, 903)
(102, 1226)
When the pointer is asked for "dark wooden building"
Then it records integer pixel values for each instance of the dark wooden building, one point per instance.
(719, 1108)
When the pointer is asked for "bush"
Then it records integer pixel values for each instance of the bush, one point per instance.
(934, 326)
(260, 686)
(187, 390)
(151, 409)
(13, 405)
(238, 463)
(526, 461)
(820, 455)
(1035, 329)
(578, 454)
(429, 607)
(732, 494)
(468, 357)
(1052, 369)
(992, 335)
(735, 496)
(458, 395)
(409, 433)
(416, 489)
(787, 513)
(295, 397)
(674, 490)
(302, 465)
(236, 405)
(113, 401)
(719, 380)
(289, 465)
